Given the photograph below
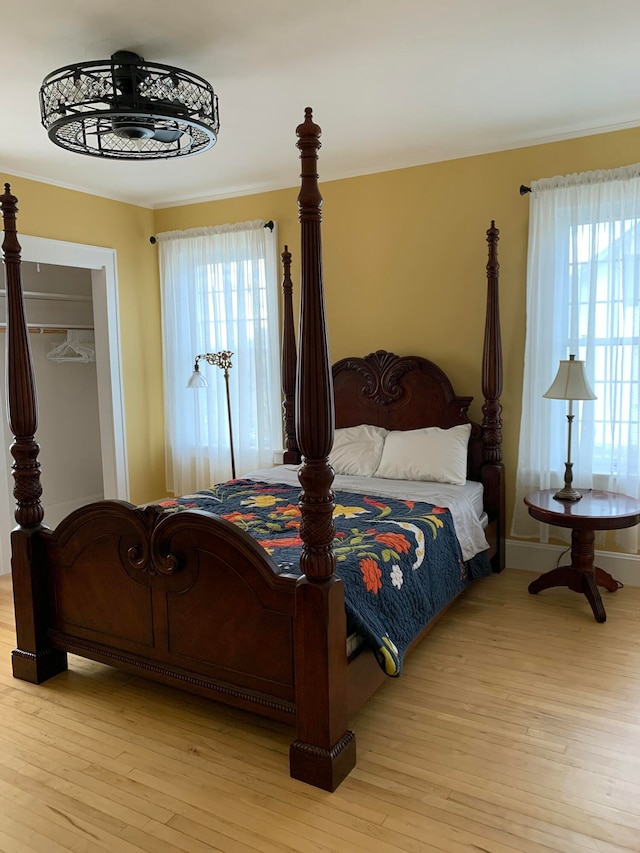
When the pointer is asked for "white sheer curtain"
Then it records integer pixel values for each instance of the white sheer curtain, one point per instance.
(583, 297)
(220, 292)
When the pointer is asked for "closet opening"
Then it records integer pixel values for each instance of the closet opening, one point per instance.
(71, 305)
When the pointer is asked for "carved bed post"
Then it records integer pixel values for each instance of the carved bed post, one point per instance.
(493, 469)
(34, 660)
(324, 750)
(291, 454)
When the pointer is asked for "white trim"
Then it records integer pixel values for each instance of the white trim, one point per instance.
(52, 182)
(45, 251)
(104, 280)
(539, 558)
(106, 318)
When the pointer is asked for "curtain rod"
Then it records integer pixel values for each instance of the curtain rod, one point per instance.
(269, 225)
(524, 190)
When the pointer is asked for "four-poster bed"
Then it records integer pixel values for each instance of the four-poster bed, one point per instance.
(191, 599)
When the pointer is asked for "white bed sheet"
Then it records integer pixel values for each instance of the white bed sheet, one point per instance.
(464, 502)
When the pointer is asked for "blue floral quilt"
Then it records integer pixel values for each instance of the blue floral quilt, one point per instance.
(400, 561)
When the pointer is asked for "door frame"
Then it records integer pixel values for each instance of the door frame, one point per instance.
(102, 263)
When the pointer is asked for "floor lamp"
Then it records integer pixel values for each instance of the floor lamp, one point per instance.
(570, 384)
(220, 359)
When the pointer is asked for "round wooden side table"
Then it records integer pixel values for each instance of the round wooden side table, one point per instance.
(596, 510)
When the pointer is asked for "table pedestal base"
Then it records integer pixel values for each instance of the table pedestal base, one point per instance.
(581, 576)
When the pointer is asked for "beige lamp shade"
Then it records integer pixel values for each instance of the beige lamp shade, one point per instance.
(571, 382)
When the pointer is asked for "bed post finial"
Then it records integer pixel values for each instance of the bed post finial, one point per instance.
(309, 198)
(21, 389)
(324, 750)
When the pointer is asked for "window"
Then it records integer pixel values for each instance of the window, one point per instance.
(219, 292)
(602, 255)
(583, 297)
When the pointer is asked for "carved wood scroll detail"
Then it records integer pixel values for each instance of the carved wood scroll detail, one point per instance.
(381, 372)
(141, 533)
(148, 555)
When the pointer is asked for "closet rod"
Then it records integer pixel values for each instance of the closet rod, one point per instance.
(63, 297)
(52, 327)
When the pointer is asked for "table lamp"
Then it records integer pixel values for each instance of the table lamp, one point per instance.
(570, 384)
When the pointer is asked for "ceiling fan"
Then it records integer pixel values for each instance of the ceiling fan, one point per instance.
(127, 108)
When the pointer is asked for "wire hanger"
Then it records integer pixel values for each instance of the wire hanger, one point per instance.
(78, 346)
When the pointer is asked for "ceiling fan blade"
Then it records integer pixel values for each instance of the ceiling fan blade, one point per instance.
(140, 130)
(167, 135)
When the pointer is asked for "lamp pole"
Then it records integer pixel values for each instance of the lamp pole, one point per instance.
(568, 493)
(233, 458)
(219, 359)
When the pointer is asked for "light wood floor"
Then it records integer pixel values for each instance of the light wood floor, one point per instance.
(516, 727)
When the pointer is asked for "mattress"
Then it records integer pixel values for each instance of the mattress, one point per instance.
(464, 502)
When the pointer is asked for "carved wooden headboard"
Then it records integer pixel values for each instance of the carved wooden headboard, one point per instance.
(400, 393)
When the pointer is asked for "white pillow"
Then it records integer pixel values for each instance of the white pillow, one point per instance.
(357, 450)
(435, 454)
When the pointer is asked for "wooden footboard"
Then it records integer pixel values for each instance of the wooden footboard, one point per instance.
(188, 598)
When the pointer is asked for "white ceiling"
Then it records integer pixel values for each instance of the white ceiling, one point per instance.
(392, 84)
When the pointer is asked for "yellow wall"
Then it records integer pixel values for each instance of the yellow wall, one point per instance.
(60, 214)
(405, 255)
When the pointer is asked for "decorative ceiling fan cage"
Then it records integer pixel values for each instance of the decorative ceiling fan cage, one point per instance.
(125, 108)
